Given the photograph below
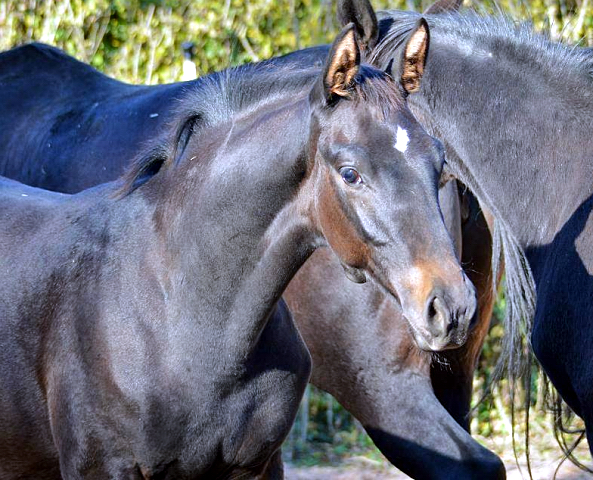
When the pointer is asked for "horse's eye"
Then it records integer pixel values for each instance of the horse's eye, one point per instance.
(350, 176)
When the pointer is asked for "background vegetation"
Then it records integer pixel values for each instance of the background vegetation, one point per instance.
(140, 41)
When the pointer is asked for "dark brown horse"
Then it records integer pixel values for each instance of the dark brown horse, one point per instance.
(141, 334)
(83, 130)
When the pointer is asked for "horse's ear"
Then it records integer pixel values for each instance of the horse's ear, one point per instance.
(342, 64)
(443, 6)
(414, 57)
(362, 15)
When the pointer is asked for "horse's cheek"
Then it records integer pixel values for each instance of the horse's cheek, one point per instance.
(338, 229)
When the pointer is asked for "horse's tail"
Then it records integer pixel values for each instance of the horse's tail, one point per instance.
(519, 288)
(516, 358)
(564, 431)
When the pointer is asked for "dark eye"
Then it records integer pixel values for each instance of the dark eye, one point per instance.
(350, 176)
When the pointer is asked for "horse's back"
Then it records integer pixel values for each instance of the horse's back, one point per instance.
(40, 65)
(11, 189)
(42, 88)
(36, 79)
(60, 115)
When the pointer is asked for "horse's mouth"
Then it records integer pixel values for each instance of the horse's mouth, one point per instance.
(428, 343)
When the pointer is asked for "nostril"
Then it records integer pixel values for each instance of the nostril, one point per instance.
(431, 311)
(438, 317)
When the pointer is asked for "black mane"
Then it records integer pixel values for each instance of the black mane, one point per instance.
(490, 33)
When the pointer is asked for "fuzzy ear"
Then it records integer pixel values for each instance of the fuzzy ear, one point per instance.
(342, 64)
(414, 57)
(362, 15)
(442, 6)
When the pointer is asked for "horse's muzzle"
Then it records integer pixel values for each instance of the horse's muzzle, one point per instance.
(447, 317)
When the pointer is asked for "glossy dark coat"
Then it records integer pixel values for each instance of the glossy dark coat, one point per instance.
(98, 124)
(141, 329)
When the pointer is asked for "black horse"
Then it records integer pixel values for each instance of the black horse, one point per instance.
(514, 110)
(90, 128)
(141, 334)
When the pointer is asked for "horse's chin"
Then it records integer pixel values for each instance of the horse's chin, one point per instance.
(354, 274)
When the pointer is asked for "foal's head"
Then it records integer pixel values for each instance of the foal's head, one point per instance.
(376, 175)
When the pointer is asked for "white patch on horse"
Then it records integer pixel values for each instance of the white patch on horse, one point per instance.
(401, 139)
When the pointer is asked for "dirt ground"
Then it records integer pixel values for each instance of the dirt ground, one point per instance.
(360, 468)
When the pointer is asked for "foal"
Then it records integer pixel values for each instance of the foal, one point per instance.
(141, 333)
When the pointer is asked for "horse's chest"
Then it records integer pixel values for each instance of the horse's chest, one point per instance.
(221, 431)
(222, 423)
(182, 413)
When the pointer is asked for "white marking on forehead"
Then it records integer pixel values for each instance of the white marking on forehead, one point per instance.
(401, 139)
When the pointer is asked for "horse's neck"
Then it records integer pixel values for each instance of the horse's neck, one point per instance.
(520, 133)
(235, 244)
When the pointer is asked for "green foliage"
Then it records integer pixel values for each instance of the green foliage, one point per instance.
(140, 40)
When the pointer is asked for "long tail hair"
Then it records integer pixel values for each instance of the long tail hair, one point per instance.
(520, 297)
